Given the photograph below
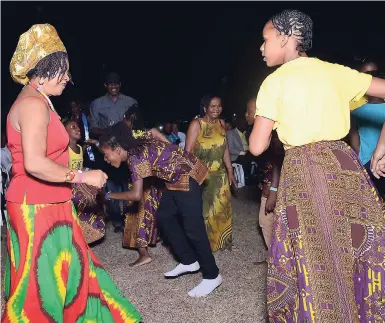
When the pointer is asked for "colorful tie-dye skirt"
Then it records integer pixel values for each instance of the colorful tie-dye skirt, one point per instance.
(327, 255)
(52, 275)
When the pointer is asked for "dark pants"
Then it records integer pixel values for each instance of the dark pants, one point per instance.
(245, 161)
(113, 206)
(181, 221)
(378, 183)
(117, 182)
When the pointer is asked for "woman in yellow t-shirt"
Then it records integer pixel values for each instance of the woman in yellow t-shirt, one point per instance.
(326, 261)
(85, 197)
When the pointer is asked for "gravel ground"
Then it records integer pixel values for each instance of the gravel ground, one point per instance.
(240, 299)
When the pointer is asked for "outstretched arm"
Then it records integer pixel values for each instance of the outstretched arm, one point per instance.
(134, 194)
(158, 135)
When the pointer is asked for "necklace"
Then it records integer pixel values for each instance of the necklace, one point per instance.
(46, 97)
(210, 122)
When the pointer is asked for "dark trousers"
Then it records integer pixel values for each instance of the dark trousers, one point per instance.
(181, 220)
(245, 161)
(117, 182)
(113, 206)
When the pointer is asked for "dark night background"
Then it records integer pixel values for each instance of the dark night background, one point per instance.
(170, 53)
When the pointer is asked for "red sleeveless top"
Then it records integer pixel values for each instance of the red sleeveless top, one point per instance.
(24, 185)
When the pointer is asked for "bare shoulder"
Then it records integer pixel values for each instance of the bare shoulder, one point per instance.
(28, 108)
(32, 106)
(194, 124)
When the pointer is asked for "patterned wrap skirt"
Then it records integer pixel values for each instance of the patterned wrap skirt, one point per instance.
(51, 275)
(90, 212)
(327, 255)
(217, 210)
(140, 230)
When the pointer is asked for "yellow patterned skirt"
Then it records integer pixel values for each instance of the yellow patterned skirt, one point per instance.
(217, 210)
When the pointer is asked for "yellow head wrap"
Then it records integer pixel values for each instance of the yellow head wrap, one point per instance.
(35, 44)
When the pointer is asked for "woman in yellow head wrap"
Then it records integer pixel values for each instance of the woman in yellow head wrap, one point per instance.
(51, 274)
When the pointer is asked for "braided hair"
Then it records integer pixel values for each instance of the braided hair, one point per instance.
(120, 135)
(295, 23)
(50, 66)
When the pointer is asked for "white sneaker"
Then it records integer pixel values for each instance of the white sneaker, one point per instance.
(181, 270)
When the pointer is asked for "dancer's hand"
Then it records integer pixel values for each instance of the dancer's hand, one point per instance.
(271, 202)
(95, 178)
(90, 142)
(378, 155)
(232, 180)
(380, 168)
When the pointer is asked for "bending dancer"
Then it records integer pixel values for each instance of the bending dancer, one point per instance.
(51, 274)
(327, 254)
(180, 211)
(140, 229)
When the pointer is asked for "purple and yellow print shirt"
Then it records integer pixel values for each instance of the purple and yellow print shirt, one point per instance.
(168, 162)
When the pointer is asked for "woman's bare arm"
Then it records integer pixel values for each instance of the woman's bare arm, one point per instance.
(158, 135)
(33, 119)
(377, 88)
(134, 194)
(260, 137)
(192, 135)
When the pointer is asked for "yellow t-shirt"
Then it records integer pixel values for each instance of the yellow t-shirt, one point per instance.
(76, 160)
(309, 100)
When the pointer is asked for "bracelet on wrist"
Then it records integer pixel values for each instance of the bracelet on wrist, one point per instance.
(107, 196)
(274, 189)
(80, 177)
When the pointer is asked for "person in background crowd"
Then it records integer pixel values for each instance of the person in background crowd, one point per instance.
(104, 112)
(206, 138)
(180, 135)
(228, 125)
(328, 233)
(51, 275)
(180, 210)
(6, 173)
(92, 158)
(168, 133)
(6, 160)
(110, 108)
(85, 198)
(366, 125)
(239, 147)
(272, 162)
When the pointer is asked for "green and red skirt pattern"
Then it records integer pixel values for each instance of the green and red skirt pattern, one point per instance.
(51, 273)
